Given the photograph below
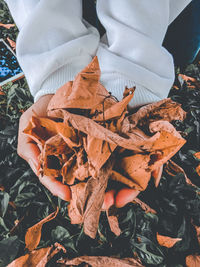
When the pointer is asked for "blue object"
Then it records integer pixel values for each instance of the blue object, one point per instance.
(183, 36)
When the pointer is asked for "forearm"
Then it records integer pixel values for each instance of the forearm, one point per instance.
(51, 45)
(134, 54)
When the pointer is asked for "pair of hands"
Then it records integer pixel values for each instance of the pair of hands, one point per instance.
(29, 151)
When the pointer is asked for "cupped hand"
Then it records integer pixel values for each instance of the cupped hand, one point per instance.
(29, 150)
(125, 195)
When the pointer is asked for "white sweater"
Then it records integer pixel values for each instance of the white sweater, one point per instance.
(54, 44)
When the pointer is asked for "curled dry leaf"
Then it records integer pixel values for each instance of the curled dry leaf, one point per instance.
(167, 241)
(87, 200)
(113, 220)
(101, 261)
(12, 43)
(165, 109)
(38, 258)
(157, 174)
(85, 92)
(33, 235)
(197, 155)
(193, 261)
(7, 26)
(172, 169)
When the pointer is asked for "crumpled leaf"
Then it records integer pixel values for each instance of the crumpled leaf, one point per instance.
(101, 261)
(38, 258)
(117, 109)
(167, 241)
(193, 261)
(7, 26)
(85, 92)
(87, 200)
(173, 169)
(40, 129)
(113, 220)
(165, 109)
(93, 129)
(76, 206)
(33, 235)
(12, 43)
(138, 167)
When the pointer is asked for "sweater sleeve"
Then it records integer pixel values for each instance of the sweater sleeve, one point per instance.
(53, 43)
(133, 54)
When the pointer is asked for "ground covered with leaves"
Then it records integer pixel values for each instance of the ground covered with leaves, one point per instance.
(175, 203)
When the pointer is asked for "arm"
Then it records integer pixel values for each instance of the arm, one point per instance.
(53, 44)
(133, 54)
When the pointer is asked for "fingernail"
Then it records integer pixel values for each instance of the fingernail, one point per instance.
(33, 166)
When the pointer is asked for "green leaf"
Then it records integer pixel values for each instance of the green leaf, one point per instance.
(148, 251)
(4, 200)
(62, 235)
(24, 200)
(8, 250)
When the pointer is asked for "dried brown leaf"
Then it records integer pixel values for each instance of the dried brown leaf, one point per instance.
(7, 26)
(101, 261)
(135, 168)
(113, 220)
(94, 197)
(87, 200)
(197, 155)
(98, 151)
(33, 235)
(84, 93)
(116, 110)
(157, 174)
(165, 109)
(193, 261)
(12, 43)
(172, 169)
(116, 176)
(93, 129)
(38, 258)
(76, 206)
(40, 129)
(167, 241)
(69, 170)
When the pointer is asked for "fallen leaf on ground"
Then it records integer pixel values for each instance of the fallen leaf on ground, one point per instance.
(33, 235)
(167, 241)
(7, 26)
(113, 220)
(38, 258)
(101, 261)
(12, 43)
(193, 261)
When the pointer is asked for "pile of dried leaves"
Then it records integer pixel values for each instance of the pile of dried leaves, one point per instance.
(28, 209)
(90, 138)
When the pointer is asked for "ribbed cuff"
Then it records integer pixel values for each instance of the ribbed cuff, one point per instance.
(58, 79)
(116, 83)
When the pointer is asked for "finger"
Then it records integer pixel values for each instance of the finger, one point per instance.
(109, 199)
(124, 196)
(29, 151)
(157, 174)
(57, 188)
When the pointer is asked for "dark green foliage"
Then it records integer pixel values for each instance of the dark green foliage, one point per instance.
(24, 201)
